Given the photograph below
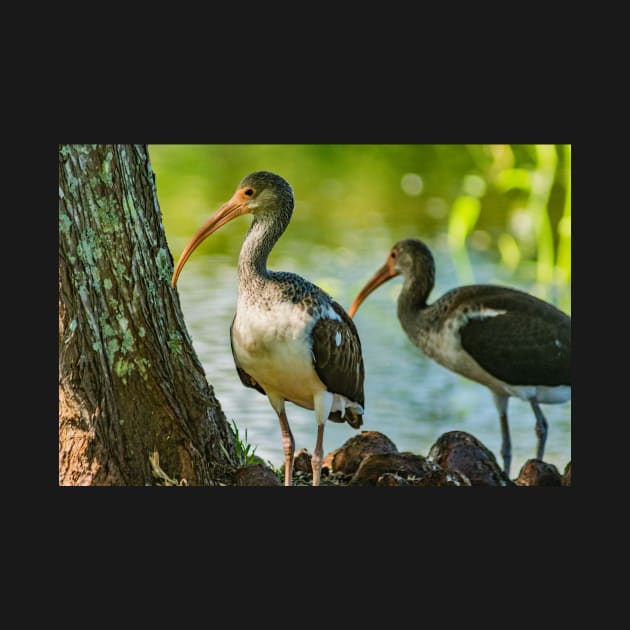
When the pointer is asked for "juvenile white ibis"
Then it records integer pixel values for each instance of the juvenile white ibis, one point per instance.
(512, 342)
(290, 340)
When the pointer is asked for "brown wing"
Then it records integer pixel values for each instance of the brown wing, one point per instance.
(246, 379)
(528, 345)
(338, 361)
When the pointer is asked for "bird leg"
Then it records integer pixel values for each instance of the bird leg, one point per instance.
(322, 404)
(318, 455)
(541, 428)
(288, 446)
(506, 444)
(501, 403)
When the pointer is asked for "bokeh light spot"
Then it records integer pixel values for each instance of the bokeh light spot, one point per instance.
(411, 184)
(474, 185)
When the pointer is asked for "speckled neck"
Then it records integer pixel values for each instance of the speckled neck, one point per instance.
(413, 299)
(252, 262)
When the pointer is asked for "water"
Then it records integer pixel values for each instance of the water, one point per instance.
(408, 397)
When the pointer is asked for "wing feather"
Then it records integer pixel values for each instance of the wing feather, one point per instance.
(530, 344)
(338, 360)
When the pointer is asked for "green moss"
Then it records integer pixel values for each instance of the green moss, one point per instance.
(151, 290)
(142, 365)
(141, 331)
(164, 265)
(73, 182)
(175, 343)
(88, 247)
(107, 215)
(78, 280)
(64, 223)
(123, 367)
(107, 329)
(106, 171)
(83, 251)
(107, 283)
(129, 206)
(96, 277)
(113, 346)
(127, 342)
(120, 270)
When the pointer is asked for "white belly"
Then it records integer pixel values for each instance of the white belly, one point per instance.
(273, 347)
(447, 350)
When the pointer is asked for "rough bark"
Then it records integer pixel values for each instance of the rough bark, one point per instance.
(131, 388)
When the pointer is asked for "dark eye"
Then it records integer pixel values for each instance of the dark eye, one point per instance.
(393, 254)
(249, 192)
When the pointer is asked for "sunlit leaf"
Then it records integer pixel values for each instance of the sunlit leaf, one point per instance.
(513, 178)
(563, 260)
(509, 250)
(462, 219)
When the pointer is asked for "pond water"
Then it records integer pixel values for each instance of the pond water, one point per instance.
(408, 397)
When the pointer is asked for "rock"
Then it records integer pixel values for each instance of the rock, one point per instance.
(255, 475)
(566, 477)
(346, 460)
(255, 459)
(328, 460)
(391, 479)
(535, 472)
(462, 452)
(302, 462)
(438, 476)
(391, 468)
(371, 459)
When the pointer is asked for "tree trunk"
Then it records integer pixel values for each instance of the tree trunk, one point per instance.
(134, 403)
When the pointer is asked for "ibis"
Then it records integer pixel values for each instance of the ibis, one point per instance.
(290, 340)
(515, 344)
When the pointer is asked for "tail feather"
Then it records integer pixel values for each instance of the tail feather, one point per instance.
(351, 416)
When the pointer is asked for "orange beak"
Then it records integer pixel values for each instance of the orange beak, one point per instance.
(235, 207)
(385, 273)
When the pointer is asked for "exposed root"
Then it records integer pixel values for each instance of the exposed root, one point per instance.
(161, 477)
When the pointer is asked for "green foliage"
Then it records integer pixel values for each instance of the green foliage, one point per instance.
(245, 454)
(462, 220)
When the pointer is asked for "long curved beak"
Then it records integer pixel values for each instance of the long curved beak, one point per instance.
(385, 273)
(235, 207)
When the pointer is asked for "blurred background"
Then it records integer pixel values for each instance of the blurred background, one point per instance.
(496, 214)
